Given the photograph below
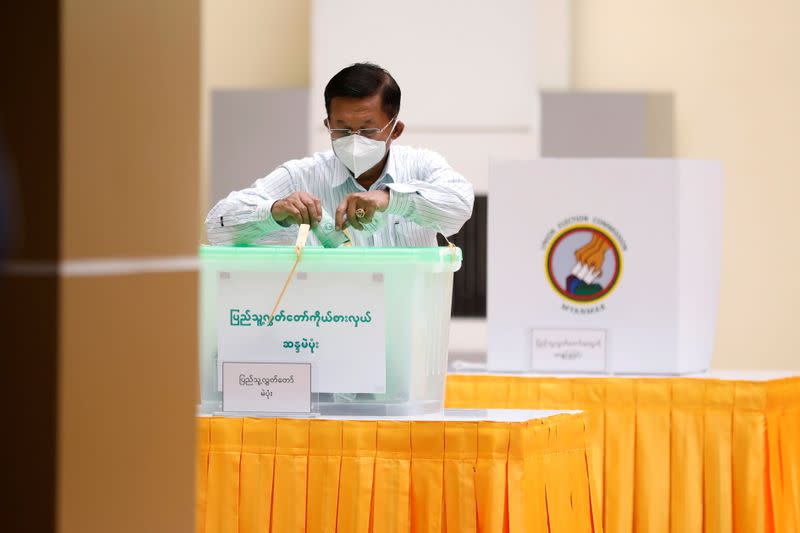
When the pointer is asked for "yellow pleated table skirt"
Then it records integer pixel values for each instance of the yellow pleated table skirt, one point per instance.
(673, 454)
(293, 475)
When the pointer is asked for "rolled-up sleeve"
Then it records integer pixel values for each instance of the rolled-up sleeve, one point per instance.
(246, 216)
(439, 198)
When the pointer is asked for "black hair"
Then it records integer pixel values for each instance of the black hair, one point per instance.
(362, 80)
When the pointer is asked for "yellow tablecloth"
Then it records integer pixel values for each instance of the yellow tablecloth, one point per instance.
(276, 475)
(681, 454)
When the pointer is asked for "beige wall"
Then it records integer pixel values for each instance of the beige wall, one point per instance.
(251, 44)
(255, 43)
(735, 72)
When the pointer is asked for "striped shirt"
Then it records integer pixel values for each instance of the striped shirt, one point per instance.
(426, 196)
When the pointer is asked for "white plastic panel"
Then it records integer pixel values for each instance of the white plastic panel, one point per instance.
(468, 70)
(461, 64)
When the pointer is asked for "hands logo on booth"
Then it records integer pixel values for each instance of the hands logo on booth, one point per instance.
(583, 263)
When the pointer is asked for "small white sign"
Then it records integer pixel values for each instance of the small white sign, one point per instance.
(569, 350)
(266, 387)
(335, 320)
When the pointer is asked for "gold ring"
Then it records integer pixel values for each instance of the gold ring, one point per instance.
(360, 213)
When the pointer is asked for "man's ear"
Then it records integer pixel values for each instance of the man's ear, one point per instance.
(325, 123)
(398, 130)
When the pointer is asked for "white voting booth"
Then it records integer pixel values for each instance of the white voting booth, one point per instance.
(603, 265)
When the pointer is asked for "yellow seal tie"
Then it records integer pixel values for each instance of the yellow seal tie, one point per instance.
(302, 237)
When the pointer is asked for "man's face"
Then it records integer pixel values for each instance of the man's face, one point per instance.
(362, 113)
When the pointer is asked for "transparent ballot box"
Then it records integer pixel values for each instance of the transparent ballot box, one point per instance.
(373, 323)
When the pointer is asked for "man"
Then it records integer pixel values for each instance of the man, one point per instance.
(364, 178)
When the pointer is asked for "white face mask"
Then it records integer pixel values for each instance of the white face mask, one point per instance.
(358, 153)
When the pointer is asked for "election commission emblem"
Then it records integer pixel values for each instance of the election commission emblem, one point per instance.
(583, 263)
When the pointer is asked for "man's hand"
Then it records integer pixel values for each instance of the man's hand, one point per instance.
(297, 208)
(370, 202)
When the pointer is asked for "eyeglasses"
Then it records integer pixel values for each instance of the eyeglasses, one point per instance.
(369, 133)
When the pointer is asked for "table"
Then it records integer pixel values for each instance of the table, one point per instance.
(715, 452)
(490, 471)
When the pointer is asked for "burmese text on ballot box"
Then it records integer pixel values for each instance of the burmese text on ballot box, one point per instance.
(603, 265)
(373, 322)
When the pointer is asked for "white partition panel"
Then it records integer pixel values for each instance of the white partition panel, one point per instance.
(468, 70)
(552, 31)
(466, 64)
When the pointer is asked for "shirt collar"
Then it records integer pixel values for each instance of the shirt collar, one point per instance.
(390, 170)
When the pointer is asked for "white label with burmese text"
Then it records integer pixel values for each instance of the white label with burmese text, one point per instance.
(569, 350)
(335, 320)
(266, 387)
